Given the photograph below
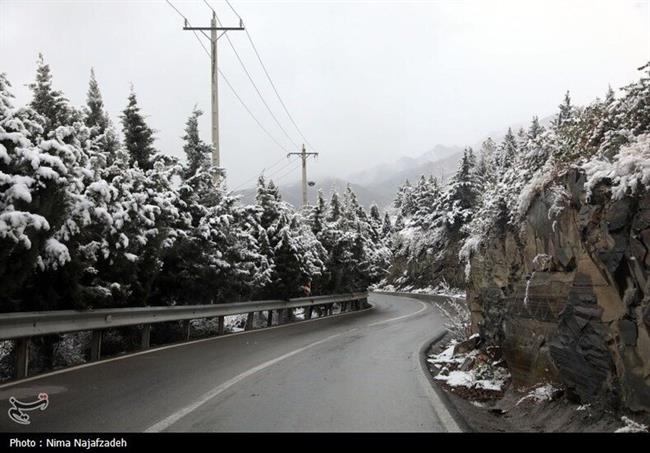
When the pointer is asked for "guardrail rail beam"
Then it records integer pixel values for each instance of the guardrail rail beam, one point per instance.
(22, 326)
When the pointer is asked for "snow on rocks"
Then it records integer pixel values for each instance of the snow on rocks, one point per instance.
(472, 373)
(545, 392)
(631, 426)
(628, 172)
(441, 289)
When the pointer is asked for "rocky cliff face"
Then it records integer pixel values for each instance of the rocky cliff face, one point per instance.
(568, 295)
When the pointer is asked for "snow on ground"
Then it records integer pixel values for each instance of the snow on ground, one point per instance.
(631, 426)
(234, 323)
(446, 356)
(299, 314)
(478, 374)
(472, 379)
(539, 394)
(442, 289)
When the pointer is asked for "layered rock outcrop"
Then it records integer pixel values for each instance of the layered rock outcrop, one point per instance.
(567, 296)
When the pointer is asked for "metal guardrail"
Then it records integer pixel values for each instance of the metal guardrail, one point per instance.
(22, 326)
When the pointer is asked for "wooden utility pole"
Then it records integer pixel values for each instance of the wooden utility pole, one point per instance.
(216, 161)
(303, 155)
(213, 28)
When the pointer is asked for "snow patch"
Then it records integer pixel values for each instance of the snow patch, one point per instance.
(631, 426)
(628, 171)
(540, 394)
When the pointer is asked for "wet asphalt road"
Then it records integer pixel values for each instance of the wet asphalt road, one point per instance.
(355, 372)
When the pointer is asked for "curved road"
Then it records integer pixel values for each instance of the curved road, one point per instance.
(355, 372)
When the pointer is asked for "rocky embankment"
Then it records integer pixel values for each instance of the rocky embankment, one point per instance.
(567, 296)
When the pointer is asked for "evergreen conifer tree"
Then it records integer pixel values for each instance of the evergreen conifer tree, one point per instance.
(138, 137)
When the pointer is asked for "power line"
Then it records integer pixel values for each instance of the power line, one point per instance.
(185, 18)
(280, 178)
(250, 78)
(225, 79)
(198, 38)
(233, 10)
(263, 170)
(241, 62)
(268, 76)
(275, 172)
(230, 85)
(239, 97)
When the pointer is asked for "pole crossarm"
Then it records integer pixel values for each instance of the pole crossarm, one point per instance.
(302, 154)
(213, 28)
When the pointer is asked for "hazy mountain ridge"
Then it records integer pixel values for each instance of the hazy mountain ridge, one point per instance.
(379, 183)
(375, 185)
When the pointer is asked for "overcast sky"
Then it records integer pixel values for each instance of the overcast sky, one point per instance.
(367, 82)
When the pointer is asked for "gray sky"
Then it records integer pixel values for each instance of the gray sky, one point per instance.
(367, 82)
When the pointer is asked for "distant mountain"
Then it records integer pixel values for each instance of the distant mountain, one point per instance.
(379, 183)
(292, 192)
(441, 169)
(381, 172)
(498, 136)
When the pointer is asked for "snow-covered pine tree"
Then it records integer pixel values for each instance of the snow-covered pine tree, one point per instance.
(506, 152)
(404, 199)
(138, 136)
(102, 133)
(335, 209)
(375, 224)
(196, 151)
(566, 129)
(317, 213)
(399, 222)
(24, 226)
(386, 227)
(485, 166)
(269, 202)
(51, 104)
(459, 199)
(94, 114)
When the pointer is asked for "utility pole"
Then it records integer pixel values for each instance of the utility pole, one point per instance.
(303, 155)
(213, 28)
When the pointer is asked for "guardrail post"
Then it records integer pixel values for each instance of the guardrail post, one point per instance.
(220, 323)
(308, 312)
(187, 326)
(22, 358)
(269, 319)
(145, 336)
(96, 345)
(249, 321)
(344, 307)
(282, 317)
(289, 314)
